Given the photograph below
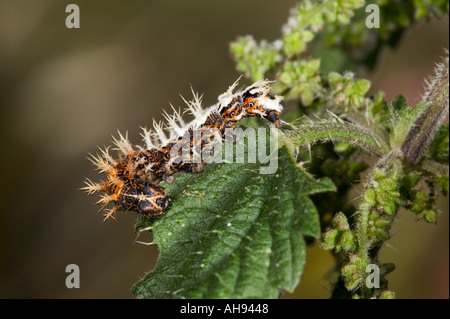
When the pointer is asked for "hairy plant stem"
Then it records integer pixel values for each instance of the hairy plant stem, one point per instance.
(429, 121)
(435, 168)
(363, 245)
(337, 131)
(367, 245)
(358, 118)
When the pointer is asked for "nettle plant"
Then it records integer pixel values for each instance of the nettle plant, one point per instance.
(232, 232)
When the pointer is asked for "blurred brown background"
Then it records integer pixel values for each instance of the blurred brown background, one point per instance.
(65, 91)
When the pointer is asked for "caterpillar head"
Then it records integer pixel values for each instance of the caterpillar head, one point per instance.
(125, 187)
(151, 201)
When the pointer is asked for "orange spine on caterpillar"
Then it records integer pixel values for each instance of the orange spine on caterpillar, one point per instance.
(132, 179)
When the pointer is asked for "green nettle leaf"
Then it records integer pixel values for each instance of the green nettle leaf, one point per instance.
(232, 232)
(253, 58)
(403, 119)
(439, 147)
(295, 42)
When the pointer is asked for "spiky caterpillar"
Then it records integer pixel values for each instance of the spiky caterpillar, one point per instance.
(132, 180)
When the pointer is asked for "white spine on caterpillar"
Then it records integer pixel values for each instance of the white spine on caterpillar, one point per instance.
(176, 127)
(122, 144)
(226, 98)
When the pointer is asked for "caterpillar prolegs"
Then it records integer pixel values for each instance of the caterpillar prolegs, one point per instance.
(133, 178)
